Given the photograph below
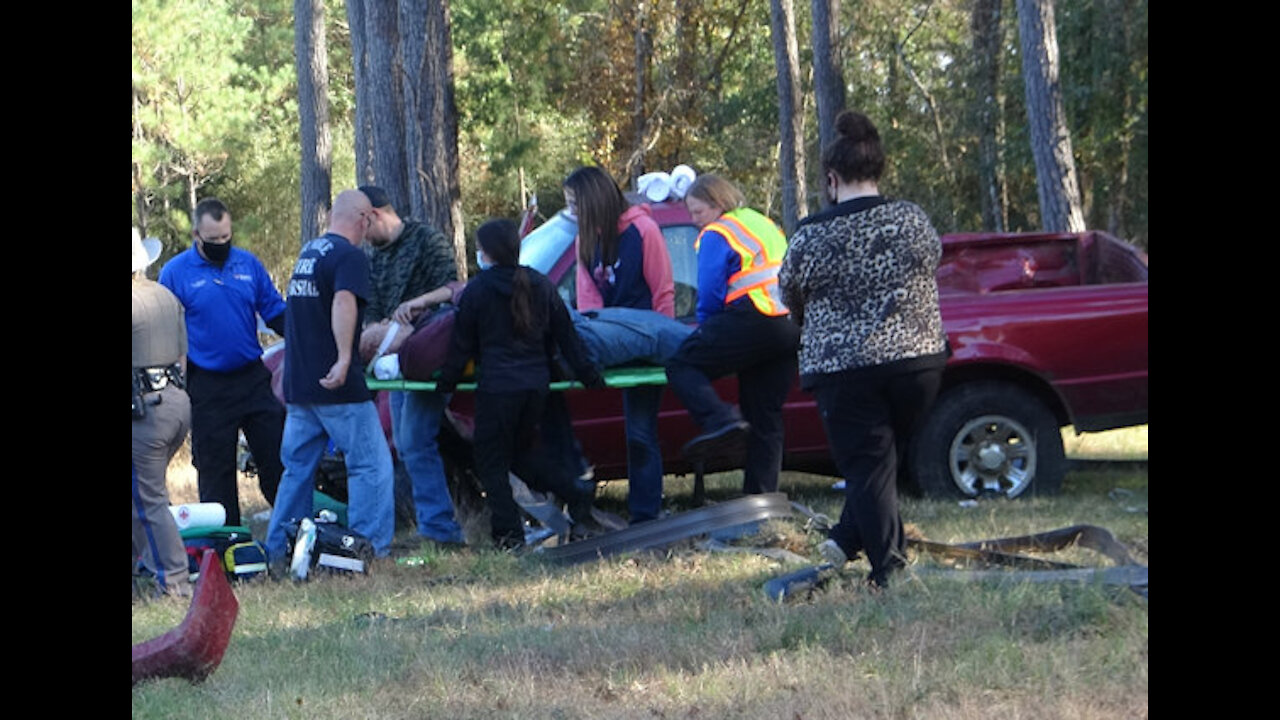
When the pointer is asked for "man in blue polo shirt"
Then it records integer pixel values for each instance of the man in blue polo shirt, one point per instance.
(324, 383)
(225, 290)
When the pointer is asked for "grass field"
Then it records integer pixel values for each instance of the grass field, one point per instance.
(688, 633)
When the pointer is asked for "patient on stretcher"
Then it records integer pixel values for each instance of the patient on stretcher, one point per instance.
(613, 337)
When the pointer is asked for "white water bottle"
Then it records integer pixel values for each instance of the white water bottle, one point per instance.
(205, 514)
(302, 547)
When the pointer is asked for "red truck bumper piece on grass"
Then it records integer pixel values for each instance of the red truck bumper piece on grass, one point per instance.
(194, 649)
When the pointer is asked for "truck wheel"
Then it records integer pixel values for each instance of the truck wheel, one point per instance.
(988, 437)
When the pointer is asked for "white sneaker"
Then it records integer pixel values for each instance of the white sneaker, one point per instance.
(831, 552)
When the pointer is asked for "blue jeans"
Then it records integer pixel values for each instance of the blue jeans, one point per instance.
(357, 433)
(621, 335)
(415, 424)
(644, 454)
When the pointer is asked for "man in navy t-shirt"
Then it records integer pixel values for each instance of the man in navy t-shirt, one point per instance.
(324, 386)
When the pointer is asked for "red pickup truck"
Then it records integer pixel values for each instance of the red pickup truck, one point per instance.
(1047, 330)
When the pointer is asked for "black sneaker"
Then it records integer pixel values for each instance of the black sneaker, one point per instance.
(831, 552)
(586, 529)
(449, 546)
(729, 442)
(278, 569)
(509, 543)
(878, 580)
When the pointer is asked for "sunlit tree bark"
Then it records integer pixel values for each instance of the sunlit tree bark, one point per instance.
(1056, 183)
(790, 119)
(313, 115)
(989, 113)
(385, 98)
(828, 77)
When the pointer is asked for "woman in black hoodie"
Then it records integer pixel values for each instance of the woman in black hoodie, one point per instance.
(511, 320)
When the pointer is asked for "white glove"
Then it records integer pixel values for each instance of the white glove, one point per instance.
(387, 367)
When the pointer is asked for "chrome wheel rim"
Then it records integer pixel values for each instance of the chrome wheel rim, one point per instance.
(993, 454)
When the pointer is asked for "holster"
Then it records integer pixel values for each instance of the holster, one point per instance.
(139, 407)
(154, 379)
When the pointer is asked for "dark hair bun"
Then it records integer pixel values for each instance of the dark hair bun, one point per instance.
(855, 126)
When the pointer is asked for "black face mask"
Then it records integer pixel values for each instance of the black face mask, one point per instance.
(216, 253)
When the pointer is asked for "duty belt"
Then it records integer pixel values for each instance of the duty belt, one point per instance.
(152, 379)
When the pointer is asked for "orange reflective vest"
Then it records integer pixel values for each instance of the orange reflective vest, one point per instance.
(760, 245)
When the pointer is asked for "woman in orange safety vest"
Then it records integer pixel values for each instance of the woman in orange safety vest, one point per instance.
(744, 328)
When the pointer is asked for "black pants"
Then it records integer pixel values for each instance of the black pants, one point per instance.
(869, 419)
(508, 439)
(563, 451)
(762, 351)
(222, 404)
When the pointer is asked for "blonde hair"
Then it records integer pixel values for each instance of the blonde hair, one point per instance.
(716, 191)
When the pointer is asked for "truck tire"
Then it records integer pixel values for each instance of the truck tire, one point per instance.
(988, 437)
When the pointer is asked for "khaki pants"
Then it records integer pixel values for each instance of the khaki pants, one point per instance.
(156, 438)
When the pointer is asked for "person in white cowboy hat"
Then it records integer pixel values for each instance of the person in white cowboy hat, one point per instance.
(145, 251)
(161, 418)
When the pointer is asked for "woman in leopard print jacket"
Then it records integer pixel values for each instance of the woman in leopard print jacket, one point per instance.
(860, 279)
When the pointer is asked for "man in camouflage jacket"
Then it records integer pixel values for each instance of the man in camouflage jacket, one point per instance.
(407, 260)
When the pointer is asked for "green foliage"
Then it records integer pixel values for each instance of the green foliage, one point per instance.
(192, 108)
(544, 87)
(1103, 46)
(215, 114)
(511, 73)
(1105, 80)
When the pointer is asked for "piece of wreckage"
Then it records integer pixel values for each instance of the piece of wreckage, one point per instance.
(194, 649)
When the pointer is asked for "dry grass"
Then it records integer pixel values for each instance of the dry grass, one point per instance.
(183, 487)
(687, 633)
(1123, 444)
(685, 636)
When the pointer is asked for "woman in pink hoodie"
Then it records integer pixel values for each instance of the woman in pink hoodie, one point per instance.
(623, 262)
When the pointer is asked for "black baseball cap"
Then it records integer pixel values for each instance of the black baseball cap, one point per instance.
(377, 196)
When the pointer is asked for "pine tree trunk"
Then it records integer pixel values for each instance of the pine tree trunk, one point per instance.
(639, 121)
(139, 183)
(386, 103)
(360, 73)
(313, 114)
(431, 119)
(989, 113)
(782, 22)
(1059, 190)
(828, 74)
(412, 26)
(1112, 114)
